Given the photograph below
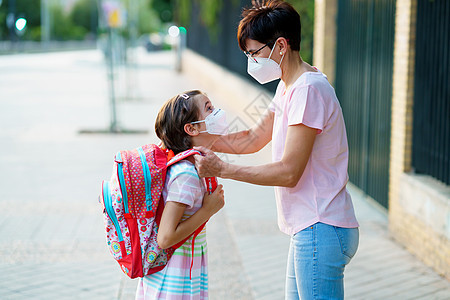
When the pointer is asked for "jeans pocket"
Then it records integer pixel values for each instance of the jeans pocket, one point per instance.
(349, 240)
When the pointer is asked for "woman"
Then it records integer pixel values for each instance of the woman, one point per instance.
(309, 151)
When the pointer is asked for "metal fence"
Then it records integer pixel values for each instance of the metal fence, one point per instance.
(364, 65)
(431, 123)
(221, 47)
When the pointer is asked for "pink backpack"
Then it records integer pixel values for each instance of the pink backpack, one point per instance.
(132, 205)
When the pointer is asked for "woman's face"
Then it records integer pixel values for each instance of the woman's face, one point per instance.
(257, 49)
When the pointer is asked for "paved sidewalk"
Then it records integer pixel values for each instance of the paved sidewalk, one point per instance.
(52, 244)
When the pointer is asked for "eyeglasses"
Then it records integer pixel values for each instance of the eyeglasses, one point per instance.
(250, 55)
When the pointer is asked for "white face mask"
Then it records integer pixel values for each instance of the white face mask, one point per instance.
(216, 122)
(264, 70)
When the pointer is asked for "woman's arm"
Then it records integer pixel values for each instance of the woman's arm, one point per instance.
(247, 141)
(286, 172)
(172, 230)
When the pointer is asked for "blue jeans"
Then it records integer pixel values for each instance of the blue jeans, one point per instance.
(317, 259)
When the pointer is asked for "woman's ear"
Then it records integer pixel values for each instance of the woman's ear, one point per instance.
(283, 45)
(191, 129)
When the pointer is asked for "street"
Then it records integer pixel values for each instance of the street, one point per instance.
(52, 243)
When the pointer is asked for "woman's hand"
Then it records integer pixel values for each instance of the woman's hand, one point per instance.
(214, 202)
(208, 165)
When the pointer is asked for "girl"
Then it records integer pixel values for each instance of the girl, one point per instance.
(309, 151)
(181, 124)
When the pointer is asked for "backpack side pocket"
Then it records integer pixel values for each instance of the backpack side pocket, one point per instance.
(113, 231)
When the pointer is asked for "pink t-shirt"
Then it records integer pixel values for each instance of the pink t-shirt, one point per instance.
(321, 194)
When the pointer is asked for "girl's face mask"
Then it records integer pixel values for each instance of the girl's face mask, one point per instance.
(216, 123)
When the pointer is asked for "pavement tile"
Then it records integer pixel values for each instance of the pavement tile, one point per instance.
(127, 289)
(226, 279)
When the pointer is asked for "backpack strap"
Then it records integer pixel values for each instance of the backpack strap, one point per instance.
(181, 156)
(211, 182)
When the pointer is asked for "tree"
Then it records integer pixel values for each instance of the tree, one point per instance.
(62, 26)
(149, 20)
(85, 14)
(164, 9)
(306, 10)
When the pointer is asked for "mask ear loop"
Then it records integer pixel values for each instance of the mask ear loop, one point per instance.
(196, 122)
(270, 55)
(281, 60)
(272, 52)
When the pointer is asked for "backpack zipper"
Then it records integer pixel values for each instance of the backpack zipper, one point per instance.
(147, 180)
(123, 187)
(110, 211)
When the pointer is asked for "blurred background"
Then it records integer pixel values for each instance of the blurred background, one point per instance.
(51, 25)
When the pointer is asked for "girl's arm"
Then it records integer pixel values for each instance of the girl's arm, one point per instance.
(247, 141)
(172, 230)
(286, 172)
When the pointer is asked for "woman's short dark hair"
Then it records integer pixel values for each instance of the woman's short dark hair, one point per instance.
(175, 113)
(268, 20)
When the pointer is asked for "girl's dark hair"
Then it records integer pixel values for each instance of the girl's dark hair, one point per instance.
(175, 113)
(268, 20)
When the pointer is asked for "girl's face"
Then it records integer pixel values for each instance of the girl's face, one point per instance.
(197, 131)
(205, 108)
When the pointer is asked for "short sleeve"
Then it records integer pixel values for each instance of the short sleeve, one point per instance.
(183, 185)
(306, 106)
(272, 106)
